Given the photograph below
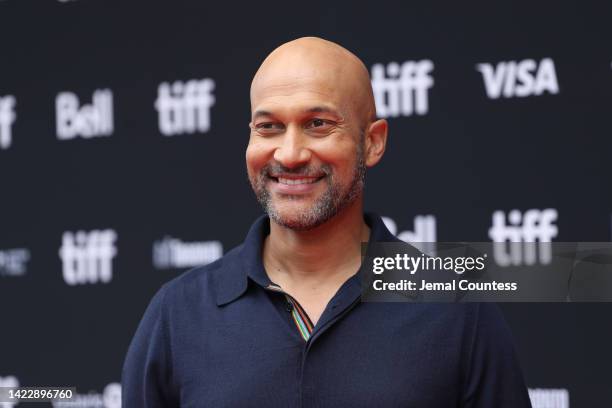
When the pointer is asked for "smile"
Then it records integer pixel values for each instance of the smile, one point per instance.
(295, 185)
(297, 181)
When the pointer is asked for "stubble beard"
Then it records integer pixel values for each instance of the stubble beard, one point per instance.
(328, 205)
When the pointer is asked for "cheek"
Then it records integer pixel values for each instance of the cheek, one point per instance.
(342, 158)
(257, 155)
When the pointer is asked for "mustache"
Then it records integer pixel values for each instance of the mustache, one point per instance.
(296, 171)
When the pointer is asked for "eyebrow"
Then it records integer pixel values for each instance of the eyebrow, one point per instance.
(314, 109)
(259, 113)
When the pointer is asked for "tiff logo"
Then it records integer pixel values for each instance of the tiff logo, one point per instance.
(13, 261)
(424, 235)
(174, 253)
(7, 117)
(87, 257)
(184, 107)
(87, 121)
(531, 227)
(519, 79)
(402, 90)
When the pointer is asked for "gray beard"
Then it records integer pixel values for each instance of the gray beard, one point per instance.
(325, 207)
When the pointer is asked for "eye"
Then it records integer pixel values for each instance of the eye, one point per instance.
(317, 123)
(268, 128)
(268, 125)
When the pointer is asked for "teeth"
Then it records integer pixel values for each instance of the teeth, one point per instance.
(296, 181)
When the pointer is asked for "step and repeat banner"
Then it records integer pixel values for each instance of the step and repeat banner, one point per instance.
(123, 130)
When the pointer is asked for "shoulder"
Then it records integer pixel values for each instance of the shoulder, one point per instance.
(477, 320)
(493, 375)
(489, 320)
(475, 325)
(200, 283)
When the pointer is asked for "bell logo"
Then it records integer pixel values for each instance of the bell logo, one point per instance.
(87, 257)
(7, 117)
(184, 107)
(424, 235)
(531, 227)
(519, 79)
(403, 91)
(86, 121)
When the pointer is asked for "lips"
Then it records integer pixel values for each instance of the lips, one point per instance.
(294, 185)
(290, 181)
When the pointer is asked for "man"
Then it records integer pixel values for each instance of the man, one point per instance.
(278, 322)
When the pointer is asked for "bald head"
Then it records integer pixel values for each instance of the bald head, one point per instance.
(313, 133)
(319, 66)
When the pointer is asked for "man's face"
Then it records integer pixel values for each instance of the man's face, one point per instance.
(305, 157)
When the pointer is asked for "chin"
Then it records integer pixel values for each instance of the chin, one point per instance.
(298, 218)
(291, 216)
(296, 224)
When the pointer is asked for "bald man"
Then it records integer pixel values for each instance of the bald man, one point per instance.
(278, 322)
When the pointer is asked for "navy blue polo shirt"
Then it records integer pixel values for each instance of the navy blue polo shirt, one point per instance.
(216, 337)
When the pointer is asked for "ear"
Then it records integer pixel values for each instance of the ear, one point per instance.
(375, 142)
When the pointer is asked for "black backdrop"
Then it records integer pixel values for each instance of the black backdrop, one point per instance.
(543, 143)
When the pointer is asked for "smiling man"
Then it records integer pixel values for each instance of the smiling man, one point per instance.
(278, 322)
(312, 107)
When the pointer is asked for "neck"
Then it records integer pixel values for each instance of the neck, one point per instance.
(327, 252)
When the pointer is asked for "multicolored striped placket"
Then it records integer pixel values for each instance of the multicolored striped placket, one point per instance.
(301, 319)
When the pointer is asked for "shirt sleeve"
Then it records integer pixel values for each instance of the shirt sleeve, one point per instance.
(146, 375)
(494, 377)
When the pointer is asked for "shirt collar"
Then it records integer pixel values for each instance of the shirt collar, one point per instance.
(232, 281)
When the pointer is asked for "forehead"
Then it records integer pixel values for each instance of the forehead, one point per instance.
(298, 95)
(286, 85)
(301, 83)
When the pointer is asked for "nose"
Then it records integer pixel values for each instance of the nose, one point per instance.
(292, 151)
